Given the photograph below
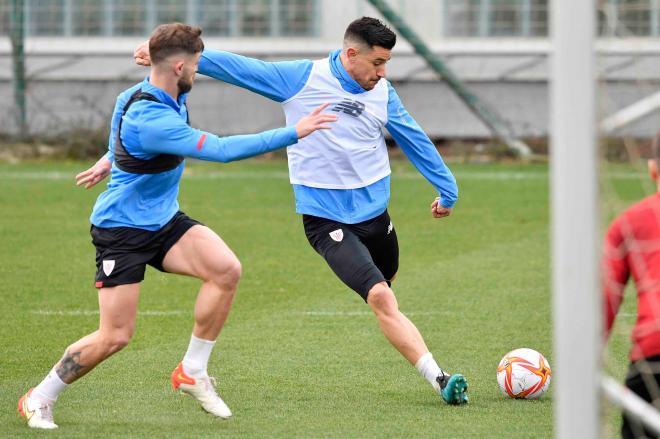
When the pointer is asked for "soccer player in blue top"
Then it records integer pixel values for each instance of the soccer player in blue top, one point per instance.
(137, 221)
(341, 177)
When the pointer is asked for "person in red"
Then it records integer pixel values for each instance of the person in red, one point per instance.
(632, 248)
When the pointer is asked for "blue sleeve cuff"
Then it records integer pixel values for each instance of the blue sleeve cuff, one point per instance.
(293, 134)
(447, 204)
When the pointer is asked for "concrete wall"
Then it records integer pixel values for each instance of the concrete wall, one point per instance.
(74, 81)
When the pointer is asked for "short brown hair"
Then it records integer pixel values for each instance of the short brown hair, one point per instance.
(169, 39)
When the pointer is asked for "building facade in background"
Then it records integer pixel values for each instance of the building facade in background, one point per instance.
(78, 55)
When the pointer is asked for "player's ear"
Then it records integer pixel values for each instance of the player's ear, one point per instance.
(653, 169)
(178, 67)
(351, 53)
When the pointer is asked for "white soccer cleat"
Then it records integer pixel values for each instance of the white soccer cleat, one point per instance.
(203, 390)
(37, 414)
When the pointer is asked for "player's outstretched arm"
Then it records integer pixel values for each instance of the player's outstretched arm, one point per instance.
(162, 131)
(278, 81)
(95, 174)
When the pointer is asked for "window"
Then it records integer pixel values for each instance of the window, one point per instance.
(635, 18)
(496, 18)
(529, 18)
(462, 18)
(538, 18)
(87, 17)
(129, 18)
(45, 17)
(259, 18)
(214, 17)
(254, 17)
(297, 17)
(4, 17)
(168, 11)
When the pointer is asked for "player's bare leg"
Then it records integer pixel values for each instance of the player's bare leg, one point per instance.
(396, 327)
(203, 254)
(118, 310)
(405, 337)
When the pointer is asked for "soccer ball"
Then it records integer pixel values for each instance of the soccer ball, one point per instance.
(524, 373)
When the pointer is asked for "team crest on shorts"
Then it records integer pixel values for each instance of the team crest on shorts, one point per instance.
(337, 235)
(108, 266)
(390, 228)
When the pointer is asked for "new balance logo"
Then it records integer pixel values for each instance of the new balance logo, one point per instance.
(352, 108)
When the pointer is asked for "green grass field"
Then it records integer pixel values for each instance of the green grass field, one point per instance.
(301, 356)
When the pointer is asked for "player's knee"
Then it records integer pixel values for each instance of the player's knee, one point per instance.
(381, 300)
(116, 341)
(228, 274)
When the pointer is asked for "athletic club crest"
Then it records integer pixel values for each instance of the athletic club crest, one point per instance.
(108, 266)
(337, 235)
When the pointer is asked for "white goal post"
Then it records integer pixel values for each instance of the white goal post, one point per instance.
(577, 303)
(575, 221)
(626, 400)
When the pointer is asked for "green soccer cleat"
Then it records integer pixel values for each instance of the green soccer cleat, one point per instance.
(453, 388)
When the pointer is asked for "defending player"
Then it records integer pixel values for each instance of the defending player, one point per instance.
(632, 248)
(137, 221)
(341, 178)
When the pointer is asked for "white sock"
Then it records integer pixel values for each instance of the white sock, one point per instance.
(197, 357)
(429, 369)
(50, 388)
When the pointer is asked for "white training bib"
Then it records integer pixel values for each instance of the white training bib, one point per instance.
(352, 154)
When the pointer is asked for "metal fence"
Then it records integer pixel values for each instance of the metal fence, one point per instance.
(529, 18)
(284, 18)
(496, 18)
(108, 18)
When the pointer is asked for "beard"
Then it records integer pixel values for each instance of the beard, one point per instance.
(184, 85)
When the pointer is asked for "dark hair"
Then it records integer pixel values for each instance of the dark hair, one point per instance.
(372, 32)
(169, 39)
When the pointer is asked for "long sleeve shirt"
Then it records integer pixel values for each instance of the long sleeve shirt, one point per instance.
(280, 81)
(632, 248)
(149, 201)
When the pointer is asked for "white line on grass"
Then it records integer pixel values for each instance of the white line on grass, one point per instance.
(356, 313)
(90, 312)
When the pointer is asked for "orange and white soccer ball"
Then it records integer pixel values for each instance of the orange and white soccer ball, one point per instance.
(524, 373)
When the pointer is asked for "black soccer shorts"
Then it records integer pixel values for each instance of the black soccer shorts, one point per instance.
(361, 254)
(638, 379)
(122, 253)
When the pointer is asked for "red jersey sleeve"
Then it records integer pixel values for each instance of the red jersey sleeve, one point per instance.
(615, 272)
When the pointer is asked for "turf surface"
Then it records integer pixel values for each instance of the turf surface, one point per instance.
(300, 356)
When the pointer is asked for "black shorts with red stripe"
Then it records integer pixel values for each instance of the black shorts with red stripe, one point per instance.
(122, 253)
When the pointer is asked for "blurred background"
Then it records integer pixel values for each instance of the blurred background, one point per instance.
(77, 57)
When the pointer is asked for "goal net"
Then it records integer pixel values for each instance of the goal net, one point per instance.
(628, 111)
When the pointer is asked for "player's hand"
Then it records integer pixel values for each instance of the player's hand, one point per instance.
(141, 54)
(96, 173)
(438, 211)
(314, 121)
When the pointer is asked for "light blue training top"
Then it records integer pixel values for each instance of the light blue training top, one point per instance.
(149, 201)
(280, 81)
